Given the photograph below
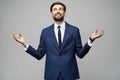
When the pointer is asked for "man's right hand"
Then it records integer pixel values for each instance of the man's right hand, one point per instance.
(19, 38)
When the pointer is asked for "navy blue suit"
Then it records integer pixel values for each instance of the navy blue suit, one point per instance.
(60, 60)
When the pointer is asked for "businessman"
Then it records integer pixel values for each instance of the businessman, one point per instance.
(60, 42)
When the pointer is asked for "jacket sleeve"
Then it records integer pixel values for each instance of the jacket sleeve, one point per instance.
(40, 52)
(80, 50)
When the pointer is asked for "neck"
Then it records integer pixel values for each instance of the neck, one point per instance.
(58, 22)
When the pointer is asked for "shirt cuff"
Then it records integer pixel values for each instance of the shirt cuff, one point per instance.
(26, 47)
(89, 43)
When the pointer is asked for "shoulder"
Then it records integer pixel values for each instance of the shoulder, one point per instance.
(72, 27)
(48, 28)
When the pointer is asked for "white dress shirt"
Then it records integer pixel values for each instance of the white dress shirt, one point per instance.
(62, 29)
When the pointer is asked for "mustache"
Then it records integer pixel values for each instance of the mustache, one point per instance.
(58, 13)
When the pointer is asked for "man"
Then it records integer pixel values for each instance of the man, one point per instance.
(60, 42)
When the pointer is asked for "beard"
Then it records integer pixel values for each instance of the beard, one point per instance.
(58, 19)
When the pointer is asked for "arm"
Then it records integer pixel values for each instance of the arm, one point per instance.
(82, 51)
(39, 53)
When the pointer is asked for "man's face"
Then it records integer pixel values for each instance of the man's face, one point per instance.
(58, 12)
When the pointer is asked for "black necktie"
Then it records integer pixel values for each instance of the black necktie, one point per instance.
(59, 37)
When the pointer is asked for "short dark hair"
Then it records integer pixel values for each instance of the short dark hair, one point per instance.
(57, 3)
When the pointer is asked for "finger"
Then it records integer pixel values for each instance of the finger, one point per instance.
(99, 31)
(96, 31)
(20, 35)
(14, 35)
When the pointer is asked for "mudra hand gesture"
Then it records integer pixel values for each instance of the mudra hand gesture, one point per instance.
(19, 38)
(97, 34)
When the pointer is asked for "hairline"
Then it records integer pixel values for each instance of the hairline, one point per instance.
(57, 3)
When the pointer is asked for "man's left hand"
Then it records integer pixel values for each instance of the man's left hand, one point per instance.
(97, 34)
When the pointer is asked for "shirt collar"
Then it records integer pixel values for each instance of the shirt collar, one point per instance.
(62, 25)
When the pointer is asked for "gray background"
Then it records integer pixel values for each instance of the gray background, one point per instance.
(29, 17)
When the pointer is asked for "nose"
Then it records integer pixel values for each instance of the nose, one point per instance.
(57, 10)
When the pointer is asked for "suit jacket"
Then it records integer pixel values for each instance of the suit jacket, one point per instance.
(60, 60)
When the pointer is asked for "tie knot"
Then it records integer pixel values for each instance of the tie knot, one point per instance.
(59, 27)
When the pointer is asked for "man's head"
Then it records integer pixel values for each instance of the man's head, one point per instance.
(58, 11)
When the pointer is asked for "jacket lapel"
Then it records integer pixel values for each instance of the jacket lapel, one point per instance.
(66, 34)
(54, 37)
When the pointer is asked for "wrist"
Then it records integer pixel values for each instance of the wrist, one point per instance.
(91, 39)
(24, 44)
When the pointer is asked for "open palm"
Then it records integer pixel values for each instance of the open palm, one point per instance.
(97, 34)
(19, 38)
